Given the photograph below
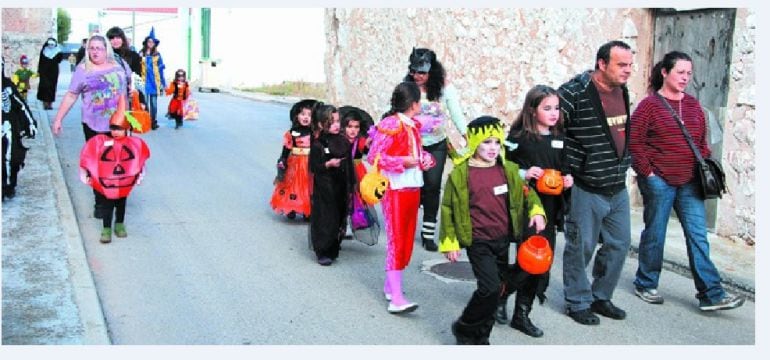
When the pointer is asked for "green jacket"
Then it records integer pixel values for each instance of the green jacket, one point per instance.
(455, 231)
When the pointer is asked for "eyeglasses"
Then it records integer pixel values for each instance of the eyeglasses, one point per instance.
(412, 72)
(93, 48)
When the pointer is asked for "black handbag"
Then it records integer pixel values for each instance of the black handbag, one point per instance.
(708, 171)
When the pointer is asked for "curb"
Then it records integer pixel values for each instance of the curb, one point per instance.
(83, 287)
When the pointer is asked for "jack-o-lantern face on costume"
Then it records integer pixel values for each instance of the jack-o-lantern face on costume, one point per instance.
(114, 164)
(373, 187)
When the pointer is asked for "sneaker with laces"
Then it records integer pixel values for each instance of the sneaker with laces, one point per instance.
(729, 301)
(649, 295)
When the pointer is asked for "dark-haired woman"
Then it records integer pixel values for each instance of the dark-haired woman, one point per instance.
(664, 163)
(439, 113)
(397, 146)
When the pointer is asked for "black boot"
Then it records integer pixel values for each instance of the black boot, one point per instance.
(501, 314)
(486, 329)
(469, 334)
(521, 320)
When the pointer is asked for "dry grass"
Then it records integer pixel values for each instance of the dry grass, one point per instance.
(292, 88)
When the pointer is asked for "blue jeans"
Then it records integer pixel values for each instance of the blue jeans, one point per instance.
(659, 197)
(152, 104)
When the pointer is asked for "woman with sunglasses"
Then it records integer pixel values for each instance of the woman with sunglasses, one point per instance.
(101, 83)
(440, 112)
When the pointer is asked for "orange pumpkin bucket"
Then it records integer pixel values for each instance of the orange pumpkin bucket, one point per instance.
(373, 185)
(550, 183)
(139, 119)
(535, 255)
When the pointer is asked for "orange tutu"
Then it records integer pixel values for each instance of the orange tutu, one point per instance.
(293, 193)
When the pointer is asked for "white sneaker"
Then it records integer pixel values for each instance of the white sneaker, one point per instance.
(401, 309)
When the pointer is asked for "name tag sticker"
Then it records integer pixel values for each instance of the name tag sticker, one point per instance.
(500, 189)
(109, 143)
(557, 144)
(326, 150)
(295, 133)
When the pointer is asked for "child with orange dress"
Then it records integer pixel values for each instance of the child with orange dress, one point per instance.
(293, 183)
(179, 90)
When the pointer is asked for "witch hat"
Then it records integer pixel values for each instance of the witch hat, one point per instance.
(151, 36)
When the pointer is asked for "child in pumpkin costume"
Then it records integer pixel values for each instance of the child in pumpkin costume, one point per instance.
(535, 144)
(482, 211)
(293, 183)
(112, 165)
(397, 143)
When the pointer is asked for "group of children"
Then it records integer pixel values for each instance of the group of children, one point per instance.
(319, 171)
(491, 198)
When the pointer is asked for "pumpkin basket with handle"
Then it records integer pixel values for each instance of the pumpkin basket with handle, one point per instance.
(373, 184)
(138, 118)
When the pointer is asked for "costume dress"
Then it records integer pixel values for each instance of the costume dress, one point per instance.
(293, 188)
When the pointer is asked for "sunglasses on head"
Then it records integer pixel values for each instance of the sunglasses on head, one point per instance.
(412, 72)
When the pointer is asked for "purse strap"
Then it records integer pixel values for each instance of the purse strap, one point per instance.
(684, 130)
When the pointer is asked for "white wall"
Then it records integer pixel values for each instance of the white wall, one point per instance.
(256, 46)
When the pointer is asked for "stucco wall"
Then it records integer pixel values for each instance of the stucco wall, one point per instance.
(493, 56)
(737, 211)
(24, 32)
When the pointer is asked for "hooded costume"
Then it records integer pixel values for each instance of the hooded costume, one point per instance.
(485, 205)
(48, 68)
(18, 123)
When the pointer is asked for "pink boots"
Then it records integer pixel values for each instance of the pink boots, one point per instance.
(398, 304)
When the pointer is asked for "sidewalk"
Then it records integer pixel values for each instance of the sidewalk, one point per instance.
(48, 292)
(49, 295)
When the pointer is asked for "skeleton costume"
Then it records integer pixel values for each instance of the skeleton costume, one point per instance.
(18, 123)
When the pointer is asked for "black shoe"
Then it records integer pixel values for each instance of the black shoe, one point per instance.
(155, 126)
(429, 245)
(291, 215)
(501, 314)
(9, 193)
(606, 308)
(461, 338)
(585, 317)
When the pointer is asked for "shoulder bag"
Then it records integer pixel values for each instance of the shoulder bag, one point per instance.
(708, 171)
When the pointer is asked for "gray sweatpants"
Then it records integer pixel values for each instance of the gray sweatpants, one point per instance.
(594, 219)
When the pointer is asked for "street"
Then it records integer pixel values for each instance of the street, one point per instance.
(206, 261)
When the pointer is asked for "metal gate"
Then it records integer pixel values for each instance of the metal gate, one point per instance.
(706, 35)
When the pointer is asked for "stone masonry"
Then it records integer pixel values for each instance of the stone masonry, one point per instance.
(494, 56)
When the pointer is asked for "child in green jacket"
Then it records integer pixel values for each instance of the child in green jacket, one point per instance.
(482, 210)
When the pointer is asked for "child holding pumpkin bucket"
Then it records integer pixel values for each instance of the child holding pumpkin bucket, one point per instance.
(397, 148)
(179, 90)
(485, 205)
(363, 218)
(112, 165)
(535, 143)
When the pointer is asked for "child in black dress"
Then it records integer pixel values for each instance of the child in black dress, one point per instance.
(536, 143)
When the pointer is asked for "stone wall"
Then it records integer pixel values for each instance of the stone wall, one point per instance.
(24, 32)
(737, 211)
(494, 56)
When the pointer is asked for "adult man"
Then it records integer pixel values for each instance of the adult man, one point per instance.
(596, 111)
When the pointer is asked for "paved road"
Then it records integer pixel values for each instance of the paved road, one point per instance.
(206, 262)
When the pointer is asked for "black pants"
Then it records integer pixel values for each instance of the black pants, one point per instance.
(431, 189)
(489, 261)
(89, 133)
(110, 205)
